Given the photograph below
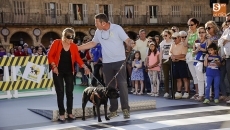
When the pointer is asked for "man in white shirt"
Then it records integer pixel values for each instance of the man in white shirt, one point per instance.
(111, 37)
(224, 43)
(142, 46)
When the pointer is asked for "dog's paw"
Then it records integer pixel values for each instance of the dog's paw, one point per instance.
(99, 120)
(83, 118)
(107, 118)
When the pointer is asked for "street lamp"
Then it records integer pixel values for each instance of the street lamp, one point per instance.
(51, 40)
(21, 41)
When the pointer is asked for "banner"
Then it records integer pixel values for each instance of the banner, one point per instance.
(33, 72)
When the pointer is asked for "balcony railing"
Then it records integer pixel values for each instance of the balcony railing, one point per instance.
(66, 19)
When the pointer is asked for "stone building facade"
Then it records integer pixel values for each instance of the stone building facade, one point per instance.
(41, 21)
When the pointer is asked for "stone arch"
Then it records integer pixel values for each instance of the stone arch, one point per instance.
(20, 37)
(79, 37)
(132, 35)
(153, 33)
(48, 38)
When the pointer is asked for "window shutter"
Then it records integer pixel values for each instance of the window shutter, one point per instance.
(85, 16)
(97, 9)
(70, 8)
(135, 10)
(110, 6)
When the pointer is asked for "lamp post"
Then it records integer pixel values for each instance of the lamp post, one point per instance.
(51, 40)
(21, 41)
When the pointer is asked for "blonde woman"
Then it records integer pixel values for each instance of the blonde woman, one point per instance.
(62, 55)
(199, 50)
(212, 32)
(164, 56)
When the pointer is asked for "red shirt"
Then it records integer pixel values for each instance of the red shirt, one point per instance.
(19, 53)
(55, 52)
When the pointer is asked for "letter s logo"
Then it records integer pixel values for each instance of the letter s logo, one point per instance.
(216, 7)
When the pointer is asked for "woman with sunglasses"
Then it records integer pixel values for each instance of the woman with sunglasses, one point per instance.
(62, 55)
(191, 38)
(212, 32)
(199, 49)
(164, 58)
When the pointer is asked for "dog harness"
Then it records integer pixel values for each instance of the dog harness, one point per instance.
(92, 96)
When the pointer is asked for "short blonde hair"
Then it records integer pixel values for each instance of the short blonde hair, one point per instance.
(183, 33)
(214, 25)
(68, 32)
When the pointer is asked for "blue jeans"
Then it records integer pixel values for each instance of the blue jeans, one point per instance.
(147, 84)
(209, 80)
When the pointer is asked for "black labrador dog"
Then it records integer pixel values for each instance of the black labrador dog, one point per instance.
(98, 96)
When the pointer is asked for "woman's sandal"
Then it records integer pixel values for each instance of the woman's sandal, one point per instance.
(61, 118)
(71, 117)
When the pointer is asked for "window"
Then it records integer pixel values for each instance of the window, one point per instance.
(197, 11)
(153, 11)
(19, 7)
(77, 11)
(104, 9)
(52, 9)
(176, 11)
(129, 11)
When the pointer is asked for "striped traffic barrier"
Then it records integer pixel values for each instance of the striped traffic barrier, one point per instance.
(19, 83)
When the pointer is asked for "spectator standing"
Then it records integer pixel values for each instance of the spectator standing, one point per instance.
(137, 72)
(153, 68)
(142, 46)
(164, 59)
(19, 52)
(212, 62)
(178, 53)
(192, 37)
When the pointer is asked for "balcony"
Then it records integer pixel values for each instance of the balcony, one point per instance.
(66, 19)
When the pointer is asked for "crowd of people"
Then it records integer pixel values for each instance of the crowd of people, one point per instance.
(200, 54)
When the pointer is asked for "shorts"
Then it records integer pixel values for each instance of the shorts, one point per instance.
(1, 71)
(180, 69)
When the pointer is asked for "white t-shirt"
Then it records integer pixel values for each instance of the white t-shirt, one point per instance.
(142, 47)
(111, 43)
(164, 46)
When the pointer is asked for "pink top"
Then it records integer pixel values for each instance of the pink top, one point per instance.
(153, 60)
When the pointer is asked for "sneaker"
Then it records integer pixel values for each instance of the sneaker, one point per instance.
(228, 101)
(166, 95)
(126, 113)
(178, 95)
(216, 100)
(186, 95)
(156, 95)
(206, 101)
(195, 96)
(113, 114)
(152, 95)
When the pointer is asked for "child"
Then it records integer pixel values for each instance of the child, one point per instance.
(212, 62)
(137, 72)
(152, 63)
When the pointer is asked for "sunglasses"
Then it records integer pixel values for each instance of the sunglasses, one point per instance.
(165, 35)
(184, 37)
(70, 37)
(174, 38)
(191, 24)
(201, 32)
(208, 28)
(150, 41)
(174, 30)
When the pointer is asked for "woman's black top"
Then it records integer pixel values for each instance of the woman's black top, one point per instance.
(65, 62)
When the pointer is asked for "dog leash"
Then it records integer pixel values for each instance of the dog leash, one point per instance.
(114, 77)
